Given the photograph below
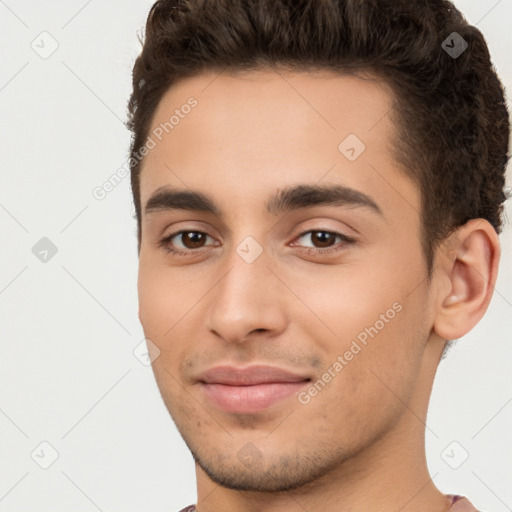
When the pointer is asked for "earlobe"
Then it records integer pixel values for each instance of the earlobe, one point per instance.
(470, 273)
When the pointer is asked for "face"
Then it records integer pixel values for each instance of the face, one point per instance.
(302, 253)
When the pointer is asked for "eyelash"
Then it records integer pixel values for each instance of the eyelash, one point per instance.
(346, 242)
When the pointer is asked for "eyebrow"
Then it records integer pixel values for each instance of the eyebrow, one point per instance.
(285, 200)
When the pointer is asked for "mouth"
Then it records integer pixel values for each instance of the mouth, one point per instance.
(249, 390)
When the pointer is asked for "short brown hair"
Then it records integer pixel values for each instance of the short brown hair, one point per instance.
(452, 121)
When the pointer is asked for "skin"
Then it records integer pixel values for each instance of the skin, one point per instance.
(359, 443)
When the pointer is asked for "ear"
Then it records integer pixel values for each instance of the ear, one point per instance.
(468, 269)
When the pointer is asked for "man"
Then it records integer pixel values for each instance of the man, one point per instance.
(318, 188)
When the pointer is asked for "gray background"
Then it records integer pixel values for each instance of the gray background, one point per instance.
(68, 374)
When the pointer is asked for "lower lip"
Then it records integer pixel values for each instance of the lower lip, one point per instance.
(250, 399)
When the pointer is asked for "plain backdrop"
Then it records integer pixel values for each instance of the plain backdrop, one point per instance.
(82, 424)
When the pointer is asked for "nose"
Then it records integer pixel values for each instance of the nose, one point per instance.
(248, 299)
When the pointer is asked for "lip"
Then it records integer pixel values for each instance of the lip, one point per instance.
(251, 389)
(248, 376)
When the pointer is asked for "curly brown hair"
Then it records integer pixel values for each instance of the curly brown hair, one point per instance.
(452, 121)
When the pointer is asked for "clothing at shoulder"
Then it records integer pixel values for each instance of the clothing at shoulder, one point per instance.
(459, 504)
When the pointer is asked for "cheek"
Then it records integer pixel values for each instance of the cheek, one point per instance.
(169, 303)
(344, 301)
(160, 301)
(370, 316)
(376, 297)
(152, 296)
(373, 380)
(162, 291)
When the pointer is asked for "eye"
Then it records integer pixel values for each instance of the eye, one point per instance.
(325, 239)
(191, 240)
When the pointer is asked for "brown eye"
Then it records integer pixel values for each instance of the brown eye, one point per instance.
(324, 238)
(189, 240)
(192, 239)
(325, 241)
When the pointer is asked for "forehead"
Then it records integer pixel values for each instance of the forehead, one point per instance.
(253, 132)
